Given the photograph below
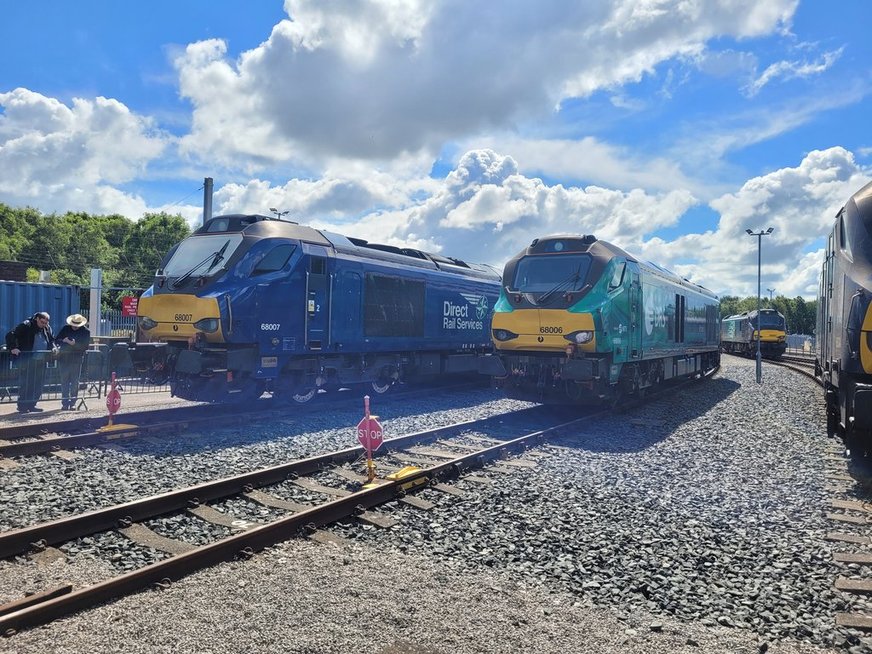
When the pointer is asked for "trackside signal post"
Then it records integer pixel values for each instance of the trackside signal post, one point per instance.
(369, 433)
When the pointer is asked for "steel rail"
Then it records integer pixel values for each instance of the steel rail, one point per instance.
(798, 368)
(18, 541)
(258, 538)
(228, 416)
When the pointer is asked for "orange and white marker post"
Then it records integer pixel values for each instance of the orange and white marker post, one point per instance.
(370, 435)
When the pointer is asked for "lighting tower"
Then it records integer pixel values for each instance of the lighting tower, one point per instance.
(759, 236)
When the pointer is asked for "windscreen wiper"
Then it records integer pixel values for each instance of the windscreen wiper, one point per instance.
(574, 277)
(216, 258)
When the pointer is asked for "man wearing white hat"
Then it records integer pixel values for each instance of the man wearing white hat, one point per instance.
(73, 340)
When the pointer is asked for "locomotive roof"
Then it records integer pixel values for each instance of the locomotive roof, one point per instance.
(863, 200)
(752, 312)
(264, 226)
(267, 226)
(602, 250)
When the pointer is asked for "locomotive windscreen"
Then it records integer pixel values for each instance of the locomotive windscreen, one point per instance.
(541, 274)
(196, 250)
(771, 321)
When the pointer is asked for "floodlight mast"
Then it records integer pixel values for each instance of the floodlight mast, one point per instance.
(759, 236)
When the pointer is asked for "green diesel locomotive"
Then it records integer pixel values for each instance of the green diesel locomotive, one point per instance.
(580, 320)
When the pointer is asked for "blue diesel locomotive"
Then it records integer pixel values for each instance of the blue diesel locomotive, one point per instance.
(843, 347)
(740, 333)
(250, 303)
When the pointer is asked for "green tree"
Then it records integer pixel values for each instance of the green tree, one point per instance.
(70, 245)
(799, 314)
(16, 227)
(151, 238)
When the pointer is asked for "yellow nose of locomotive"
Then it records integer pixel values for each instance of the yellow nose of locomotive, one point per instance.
(866, 341)
(543, 330)
(178, 317)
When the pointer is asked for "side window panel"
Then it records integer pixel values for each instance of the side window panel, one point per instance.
(618, 276)
(274, 260)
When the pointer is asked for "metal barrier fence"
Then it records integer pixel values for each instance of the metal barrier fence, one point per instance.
(98, 364)
(113, 323)
(800, 343)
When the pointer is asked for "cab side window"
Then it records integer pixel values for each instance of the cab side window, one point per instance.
(617, 276)
(274, 260)
(844, 240)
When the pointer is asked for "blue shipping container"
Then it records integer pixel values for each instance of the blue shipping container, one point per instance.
(20, 300)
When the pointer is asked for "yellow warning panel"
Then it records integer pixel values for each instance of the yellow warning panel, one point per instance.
(403, 472)
(408, 471)
(115, 428)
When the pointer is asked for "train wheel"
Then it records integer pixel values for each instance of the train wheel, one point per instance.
(832, 424)
(381, 386)
(304, 395)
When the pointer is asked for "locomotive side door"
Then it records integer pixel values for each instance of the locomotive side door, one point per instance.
(636, 317)
(318, 306)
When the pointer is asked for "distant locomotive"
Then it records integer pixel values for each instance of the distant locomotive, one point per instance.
(249, 303)
(579, 321)
(739, 333)
(843, 347)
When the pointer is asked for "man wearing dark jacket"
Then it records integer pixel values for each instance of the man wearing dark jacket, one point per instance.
(31, 343)
(72, 339)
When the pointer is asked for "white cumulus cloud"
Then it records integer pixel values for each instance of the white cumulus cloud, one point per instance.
(67, 158)
(373, 80)
(799, 203)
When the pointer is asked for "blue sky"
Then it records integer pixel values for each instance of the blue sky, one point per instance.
(667, 127)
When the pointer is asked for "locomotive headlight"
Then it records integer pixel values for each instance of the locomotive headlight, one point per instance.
(147, 323)
(207, 325)
(504, 335)
(580, 337)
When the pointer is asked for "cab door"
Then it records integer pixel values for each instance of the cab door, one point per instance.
(317, 309)
(636, 317)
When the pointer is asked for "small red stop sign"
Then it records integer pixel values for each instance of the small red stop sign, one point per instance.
(113, 401)
(369, 433)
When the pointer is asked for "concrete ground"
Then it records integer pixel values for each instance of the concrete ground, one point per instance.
(94, 407)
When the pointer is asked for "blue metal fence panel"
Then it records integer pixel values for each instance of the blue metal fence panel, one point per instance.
(20, 300)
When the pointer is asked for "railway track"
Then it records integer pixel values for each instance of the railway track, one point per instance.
(66, 435)
(847, 514)
(424, 459)
(804, 367)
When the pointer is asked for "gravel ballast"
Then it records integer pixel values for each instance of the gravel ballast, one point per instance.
(693, 524)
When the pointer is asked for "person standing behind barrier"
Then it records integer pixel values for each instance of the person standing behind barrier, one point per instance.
(73, 340)
(31, 343)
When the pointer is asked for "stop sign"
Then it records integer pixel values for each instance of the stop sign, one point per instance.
(113, 401)
(369, 433)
